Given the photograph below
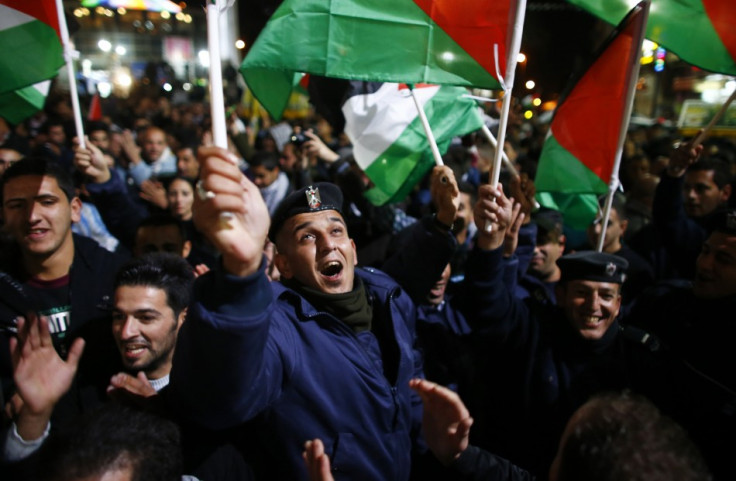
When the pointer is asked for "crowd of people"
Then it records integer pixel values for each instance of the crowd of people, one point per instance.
(175, 310)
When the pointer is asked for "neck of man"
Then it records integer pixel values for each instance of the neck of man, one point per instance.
(552, 276)
(51, 266)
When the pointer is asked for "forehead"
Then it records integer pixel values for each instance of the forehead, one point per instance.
(155, 135)
(160, 233)
(180, 184)
(140, 297)
(317, 219)
(32, 186)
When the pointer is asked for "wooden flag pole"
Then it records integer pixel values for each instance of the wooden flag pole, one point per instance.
(511, 61)
(634, 55)
(713, 121)
(69, 55)
(427, 129)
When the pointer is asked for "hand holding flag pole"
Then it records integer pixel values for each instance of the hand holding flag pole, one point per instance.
(69, 56)
(511, 61)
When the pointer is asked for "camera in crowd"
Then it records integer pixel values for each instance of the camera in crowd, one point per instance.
(298, 138)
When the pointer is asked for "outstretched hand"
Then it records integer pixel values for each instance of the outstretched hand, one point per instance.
(446, 421)
(91, 162)
(41, 376)
(232, 213)
(683, 157)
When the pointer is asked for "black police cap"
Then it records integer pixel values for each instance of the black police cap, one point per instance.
(314, 198)
(593, 266)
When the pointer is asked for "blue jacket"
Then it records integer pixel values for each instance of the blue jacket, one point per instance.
(254, 350)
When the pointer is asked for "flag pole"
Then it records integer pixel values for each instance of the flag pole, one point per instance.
(492, 140)
(511, 61)
(69, 55)
(427, 129)
(628, 107)
(713, 121)
(217, 100)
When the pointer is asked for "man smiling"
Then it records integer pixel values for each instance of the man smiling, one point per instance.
(328, 351)
(547, 360)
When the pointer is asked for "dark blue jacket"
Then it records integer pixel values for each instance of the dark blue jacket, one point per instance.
(539, 370)
(252, 350)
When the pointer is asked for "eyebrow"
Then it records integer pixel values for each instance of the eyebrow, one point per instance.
(308, 223)
(137, 312)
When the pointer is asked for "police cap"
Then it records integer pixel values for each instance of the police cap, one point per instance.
(313, 198)
(593, 266)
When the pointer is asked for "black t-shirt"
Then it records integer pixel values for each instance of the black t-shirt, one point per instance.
(52, 299)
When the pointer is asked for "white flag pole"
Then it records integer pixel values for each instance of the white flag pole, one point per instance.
(69, 56)
(511, 60)
(492, 140)
(427, 129)
(713, 121)
(634, 56)
(217, 99)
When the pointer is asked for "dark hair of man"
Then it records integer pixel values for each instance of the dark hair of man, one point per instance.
(162, 220)
(468, 188)
(721, 170)
(624, 436)
(269, 160)
(97, 125)
(618, 203)
(114, 438)
(39, 166)
(188, 144)
(51, 122)
(162, 270)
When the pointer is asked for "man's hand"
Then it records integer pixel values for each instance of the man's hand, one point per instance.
(130, 147)
(511, 240)
(446, 421)
(125, 384)
(315, 146)
(91, 162)
(683, 157)
(318, 464)
(493, 207)
(522, 189)
(231, 196)
(154, 192)
(41, 376)
(445, 194)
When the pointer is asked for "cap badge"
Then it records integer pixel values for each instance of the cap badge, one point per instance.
(313, 199)
(610, 269)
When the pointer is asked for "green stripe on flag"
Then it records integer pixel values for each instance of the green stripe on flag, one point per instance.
(579, 210)
(681, 26)
(31, 52)
(402, 165)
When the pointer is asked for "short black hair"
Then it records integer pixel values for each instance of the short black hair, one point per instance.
(162, 220)
(721, 170)
(625, 436)
(114, 437)
(40, 166)
(269, 160)
(163, 270)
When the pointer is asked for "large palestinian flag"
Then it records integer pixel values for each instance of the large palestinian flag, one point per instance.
(701, 32)
(31, 45)
(414, 41)
(584, 139)
(389, 142)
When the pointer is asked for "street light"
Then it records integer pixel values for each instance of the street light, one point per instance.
(521, 58)
(104, 45)
(530, 84)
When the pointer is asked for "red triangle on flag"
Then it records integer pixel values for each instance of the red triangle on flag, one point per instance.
(722, 15)
(95, 109)
(43, 10)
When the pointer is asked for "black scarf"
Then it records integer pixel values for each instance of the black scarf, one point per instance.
(352, 307)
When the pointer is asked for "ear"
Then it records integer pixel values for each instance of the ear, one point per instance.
(186, 249)
(76, 207)
(282, 264)
(562, 240)
(726, 192)
(181, 318)
(355, 253)
(624, 226)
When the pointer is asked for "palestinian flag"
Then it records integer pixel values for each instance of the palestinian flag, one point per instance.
(29, 35)
(414, 41)
(584, 139)
(389, 142)
(20, 104)
(701, 32)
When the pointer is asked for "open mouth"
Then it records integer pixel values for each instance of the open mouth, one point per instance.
(591, 321)
(331, 269)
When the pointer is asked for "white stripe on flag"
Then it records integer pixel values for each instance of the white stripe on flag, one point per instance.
(10, 17)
